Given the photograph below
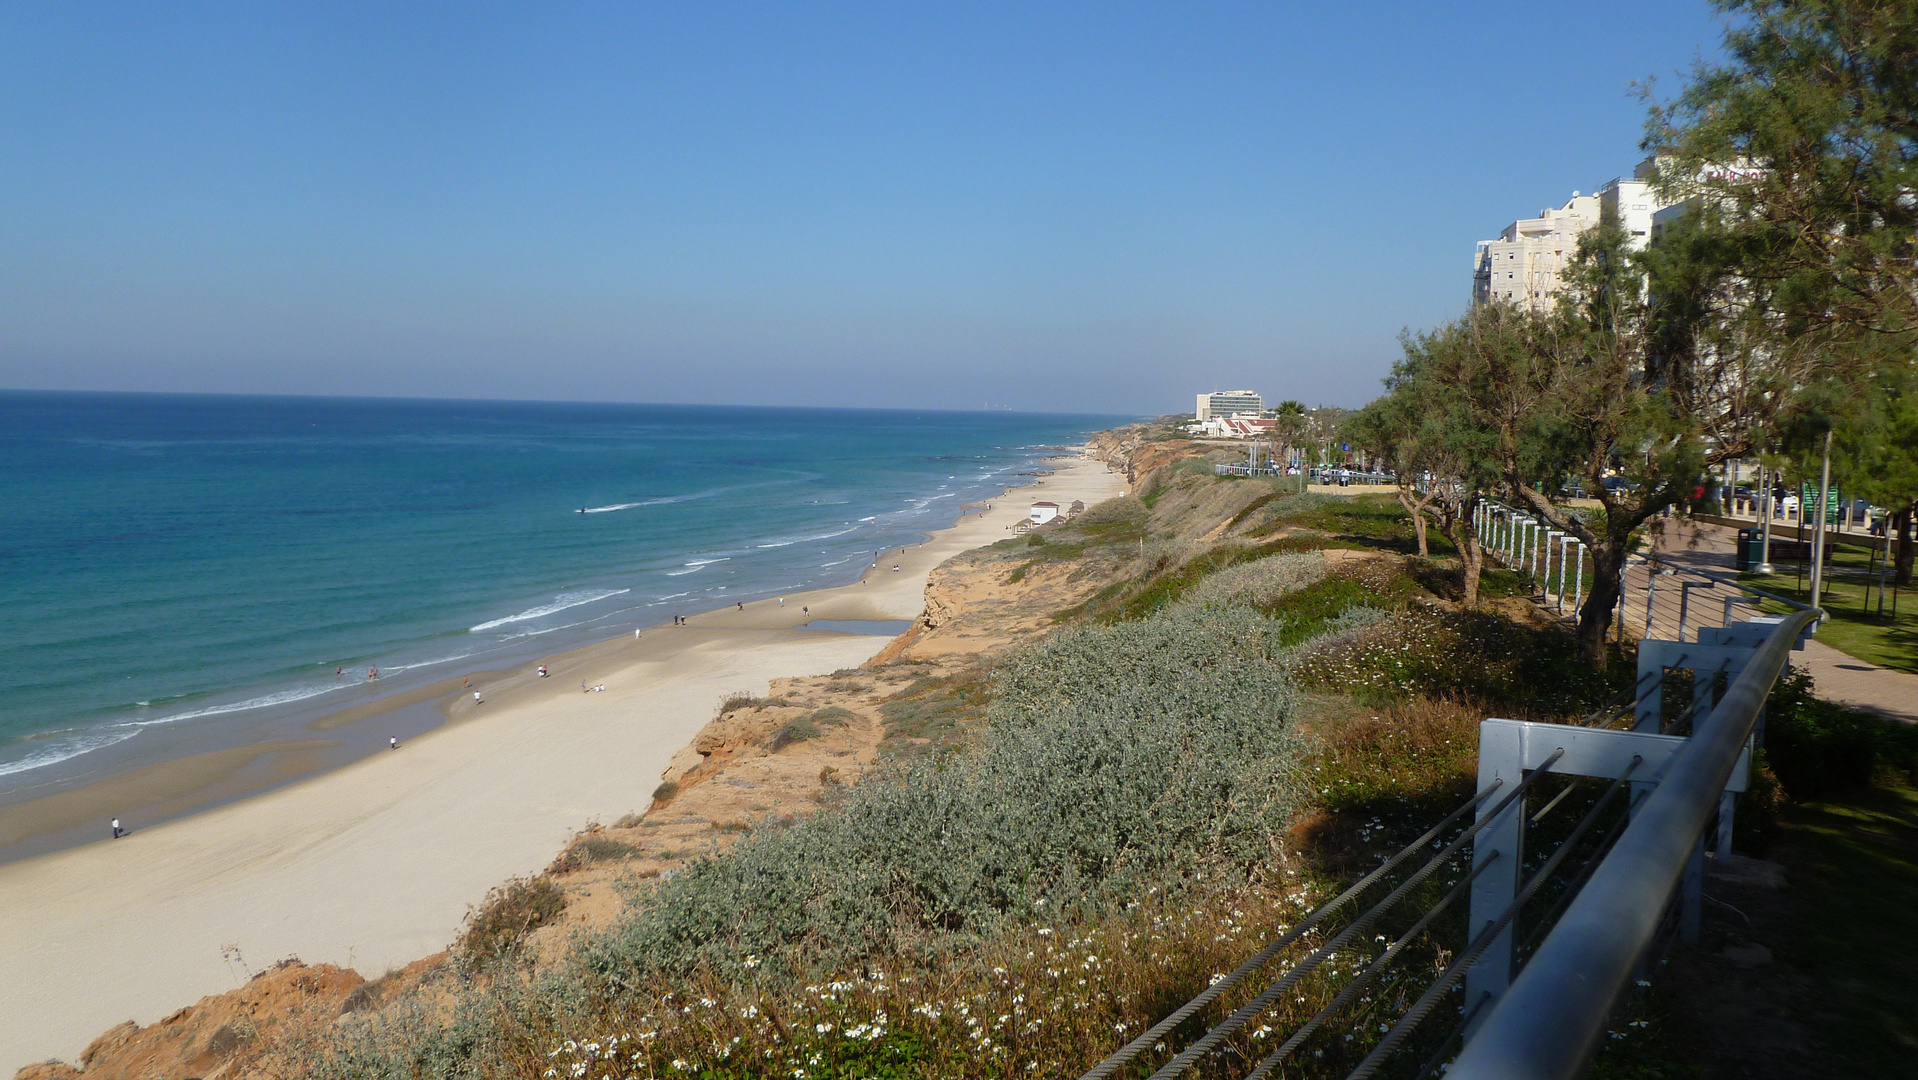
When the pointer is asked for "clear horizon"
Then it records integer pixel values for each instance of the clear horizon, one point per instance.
(1076, 210)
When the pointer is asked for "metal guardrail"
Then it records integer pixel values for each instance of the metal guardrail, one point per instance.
(1548, 1024)
(1575, 920)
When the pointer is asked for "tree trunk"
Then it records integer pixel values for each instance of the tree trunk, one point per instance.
(1417, 512)
(1474, 560)
(1471, 555)
(1901, 561)
(1601, 600)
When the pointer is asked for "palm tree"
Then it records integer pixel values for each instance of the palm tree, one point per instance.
(1291, 424)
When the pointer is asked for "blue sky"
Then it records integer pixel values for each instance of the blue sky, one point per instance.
(1077, 208)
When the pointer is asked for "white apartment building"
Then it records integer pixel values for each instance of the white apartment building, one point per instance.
(1635, 203)
(1229, 403)
(1524, 265)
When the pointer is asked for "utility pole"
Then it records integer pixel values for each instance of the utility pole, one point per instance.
(1818, 538)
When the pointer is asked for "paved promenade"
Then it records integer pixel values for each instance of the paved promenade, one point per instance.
(1838, 676)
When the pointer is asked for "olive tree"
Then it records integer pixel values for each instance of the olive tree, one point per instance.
(1425, 429)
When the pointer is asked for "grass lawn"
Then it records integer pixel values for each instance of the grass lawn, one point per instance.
(1886, 640)
(1853, 861)
(1833, 997)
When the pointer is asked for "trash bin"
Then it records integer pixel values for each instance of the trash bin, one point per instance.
(1750, 544)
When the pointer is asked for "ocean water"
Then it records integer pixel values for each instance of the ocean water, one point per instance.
(168, 562)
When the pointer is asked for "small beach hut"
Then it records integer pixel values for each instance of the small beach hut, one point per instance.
(1043, 512)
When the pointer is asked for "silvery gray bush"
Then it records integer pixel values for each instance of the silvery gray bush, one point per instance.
(1258, 583)
(1120, 759)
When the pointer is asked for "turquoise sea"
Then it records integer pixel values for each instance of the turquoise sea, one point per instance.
(176, 570)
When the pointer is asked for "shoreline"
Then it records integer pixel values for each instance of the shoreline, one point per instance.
(373, 864)
(172, 782)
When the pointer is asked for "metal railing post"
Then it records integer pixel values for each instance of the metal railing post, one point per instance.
(1545, 579)
(1578, 577)
(1548, 1024)
(1651, 582)
(1500, 758)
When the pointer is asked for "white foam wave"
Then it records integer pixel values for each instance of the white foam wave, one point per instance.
(66, 748)
(282, 697)
(560, 603)
(802, 539)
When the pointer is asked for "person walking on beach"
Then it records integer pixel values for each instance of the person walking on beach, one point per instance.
(117, 830)
(742, 605)
(392, 742)
(476, 697)
(542, 671)
(466, 681)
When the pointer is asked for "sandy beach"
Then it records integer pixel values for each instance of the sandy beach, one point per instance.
(374, 865)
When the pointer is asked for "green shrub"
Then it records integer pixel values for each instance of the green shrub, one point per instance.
(511, 911)
(1120, 759)
(1816, 748)
(589, 850)
(800, 730)
(1123, 510)
(1168, 580)
(1310, 611)
(935, 709)
(1259, 583)
(1477, 656)
(664, 793)
(832, 716)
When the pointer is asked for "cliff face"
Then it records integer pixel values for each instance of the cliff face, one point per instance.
(223, 1033)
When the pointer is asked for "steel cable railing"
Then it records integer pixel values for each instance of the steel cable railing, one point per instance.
(1263, 956)
(1297, 973)
(1372, 971)
(1610, 710)
(1550, 918)
(1458, 1032)
(1292, 976)
(1546, 1026)
(1422, 1008)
